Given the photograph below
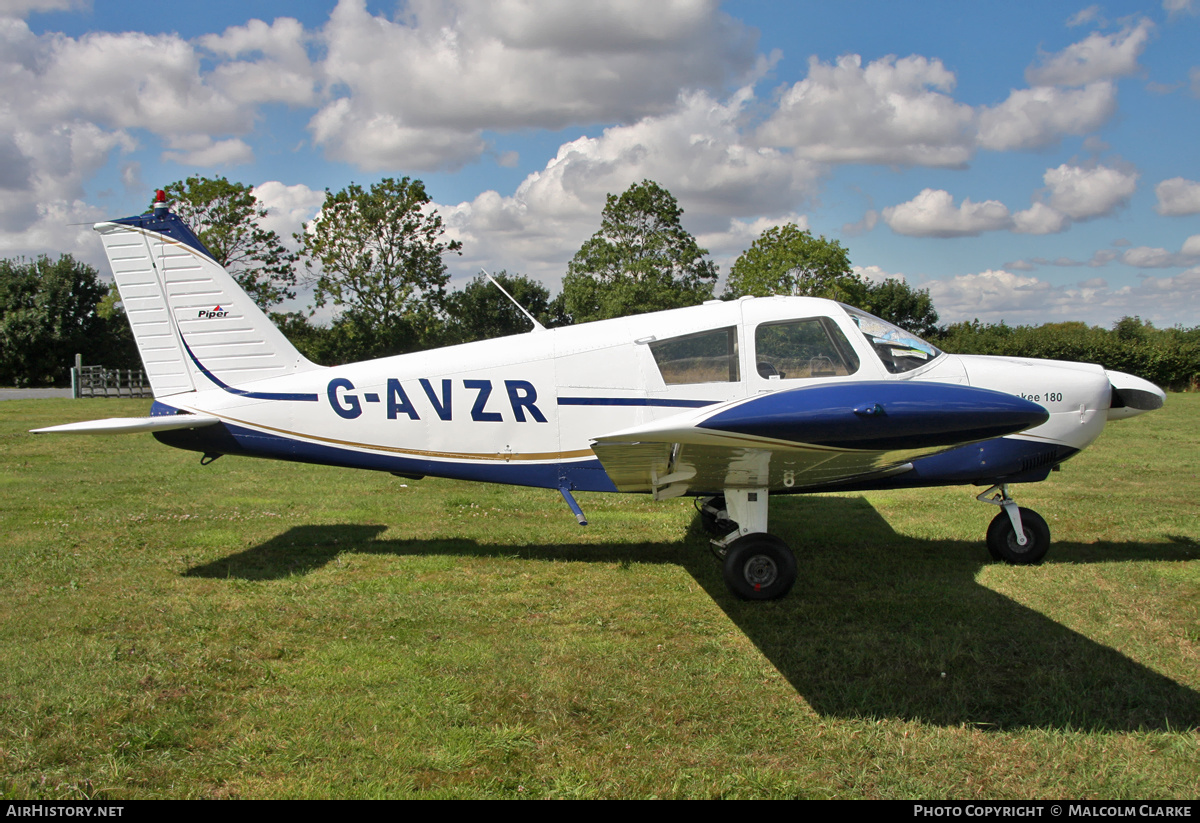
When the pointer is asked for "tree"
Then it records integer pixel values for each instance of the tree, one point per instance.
(1132, 328)
(789, 260)
(641, 260)
(48, 313)
(119, 350)
(378, 254)
(480, 311)
(226, 217)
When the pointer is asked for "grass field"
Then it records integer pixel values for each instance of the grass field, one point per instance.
(258, 629)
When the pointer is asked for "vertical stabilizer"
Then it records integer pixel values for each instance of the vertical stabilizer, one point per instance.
(195, 327)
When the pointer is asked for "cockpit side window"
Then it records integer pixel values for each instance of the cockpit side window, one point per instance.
(707, 357)
(814, 347)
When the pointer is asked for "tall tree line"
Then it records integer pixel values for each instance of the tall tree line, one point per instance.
(377, 256)
(49, 311)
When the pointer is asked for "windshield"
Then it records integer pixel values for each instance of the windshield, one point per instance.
(899, 350)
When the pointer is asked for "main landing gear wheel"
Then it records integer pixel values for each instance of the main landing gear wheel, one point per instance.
(759, 567)
(1002, 538)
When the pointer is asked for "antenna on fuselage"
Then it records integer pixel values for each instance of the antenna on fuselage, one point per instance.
(536, 325)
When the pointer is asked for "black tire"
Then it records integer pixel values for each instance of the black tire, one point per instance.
(759, 567)
(1002, 538)
(711, 511)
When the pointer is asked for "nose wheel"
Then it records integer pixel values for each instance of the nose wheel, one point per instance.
(1016, 535)
(1002, 540)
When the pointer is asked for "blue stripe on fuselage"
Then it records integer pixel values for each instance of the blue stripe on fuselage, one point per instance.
(228, 438)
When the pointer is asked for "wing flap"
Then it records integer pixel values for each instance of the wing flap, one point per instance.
(671, 469)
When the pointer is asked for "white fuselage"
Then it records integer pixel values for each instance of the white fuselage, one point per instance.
(541, 399)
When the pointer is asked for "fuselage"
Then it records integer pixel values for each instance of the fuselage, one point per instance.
(527, 409)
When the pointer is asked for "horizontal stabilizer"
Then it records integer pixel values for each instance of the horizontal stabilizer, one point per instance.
(126, 425)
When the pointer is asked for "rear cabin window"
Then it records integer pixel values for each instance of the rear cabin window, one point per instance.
(708, 357)
(808, 348)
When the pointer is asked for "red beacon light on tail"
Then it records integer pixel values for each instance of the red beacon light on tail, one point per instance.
(161, 206)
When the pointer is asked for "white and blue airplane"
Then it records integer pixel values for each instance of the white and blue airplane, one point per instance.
(727, 402)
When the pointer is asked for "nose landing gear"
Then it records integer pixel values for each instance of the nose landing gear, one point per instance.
(1016, 535)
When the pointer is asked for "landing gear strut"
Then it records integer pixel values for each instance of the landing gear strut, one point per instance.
(714, 516)
(1016, 535)
(756, 565)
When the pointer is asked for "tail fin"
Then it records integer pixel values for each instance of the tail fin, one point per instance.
(195, 327)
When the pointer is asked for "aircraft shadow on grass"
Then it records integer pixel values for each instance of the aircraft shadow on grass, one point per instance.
(915, 639)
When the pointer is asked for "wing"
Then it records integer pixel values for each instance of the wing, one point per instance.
(809, 436)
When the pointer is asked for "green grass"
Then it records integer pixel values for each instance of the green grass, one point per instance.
(258, 629)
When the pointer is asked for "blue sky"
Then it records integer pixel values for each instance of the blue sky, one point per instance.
(1030, 162)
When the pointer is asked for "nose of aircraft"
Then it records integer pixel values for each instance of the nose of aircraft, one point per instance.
(1132, 396)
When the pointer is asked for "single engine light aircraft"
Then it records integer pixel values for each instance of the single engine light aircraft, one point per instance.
(727, 402)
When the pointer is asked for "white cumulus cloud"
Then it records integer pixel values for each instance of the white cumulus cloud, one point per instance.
(1040, 219)
(451, 69)
(202, 151)
(1084, 16)
(932, 213)
(288, 207)
(1075, 193)
(279, 70)
(376, 141)
(1147, 257)
(890, 111)
(1097, 57)
(128, 80)
(1040, 116)
(1177, 196)
(1083, 193)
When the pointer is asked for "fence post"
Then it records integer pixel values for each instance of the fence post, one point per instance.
(75, 376)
